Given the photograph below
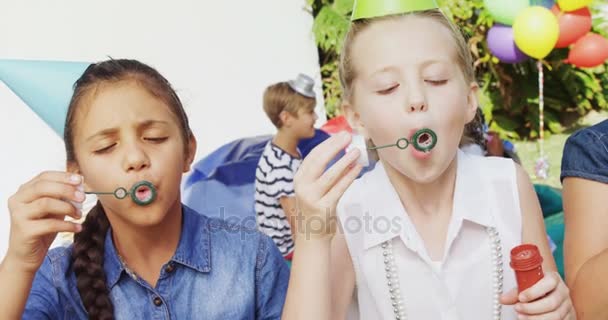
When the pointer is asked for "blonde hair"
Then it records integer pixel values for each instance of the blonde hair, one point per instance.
(464, 58)
(281, 97)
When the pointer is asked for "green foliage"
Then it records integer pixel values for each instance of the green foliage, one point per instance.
(509, 93)
(331, 24)
(332, 20)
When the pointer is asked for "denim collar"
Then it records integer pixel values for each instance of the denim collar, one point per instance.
(193, 250)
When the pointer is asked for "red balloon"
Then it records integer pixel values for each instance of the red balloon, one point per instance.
(572, 25)
(589, 51)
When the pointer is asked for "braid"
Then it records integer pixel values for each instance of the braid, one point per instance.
(88, 258)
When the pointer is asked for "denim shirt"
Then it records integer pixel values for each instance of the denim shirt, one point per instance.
(586, 154)
(219, 271)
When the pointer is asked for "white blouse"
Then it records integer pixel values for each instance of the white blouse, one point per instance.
(461, 285)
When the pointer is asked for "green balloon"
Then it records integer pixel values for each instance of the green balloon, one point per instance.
(505, 11)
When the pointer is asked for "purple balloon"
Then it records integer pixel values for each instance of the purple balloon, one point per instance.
(501, 44)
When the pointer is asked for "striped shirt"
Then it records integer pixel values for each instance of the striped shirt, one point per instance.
(274, 180)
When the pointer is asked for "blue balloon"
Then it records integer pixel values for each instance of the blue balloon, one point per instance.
(45, 86)
(543, 3)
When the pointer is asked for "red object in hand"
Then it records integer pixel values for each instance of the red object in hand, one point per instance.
(337, 125)
(527, 263)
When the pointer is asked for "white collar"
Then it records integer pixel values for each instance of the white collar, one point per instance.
(389, 218)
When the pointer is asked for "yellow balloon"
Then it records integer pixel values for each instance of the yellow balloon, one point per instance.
(536, 31)
(571, 5)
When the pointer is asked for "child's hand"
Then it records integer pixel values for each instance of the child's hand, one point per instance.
(548, 299)
(318, 192)
(37, 214)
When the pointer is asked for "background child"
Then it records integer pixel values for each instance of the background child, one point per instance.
(424, 235)
(126, 124)
(290, 106)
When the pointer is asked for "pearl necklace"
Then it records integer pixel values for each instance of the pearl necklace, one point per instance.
(392, 278)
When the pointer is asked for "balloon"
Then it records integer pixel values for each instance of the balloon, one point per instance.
(505, 11)
(589, 51)
(45, 86)
(501, 44)
(571, 5)
(543, 3)
(572, 25)
(536, 31)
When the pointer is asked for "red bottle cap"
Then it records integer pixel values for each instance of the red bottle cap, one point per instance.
(526, 261)
(525, 257)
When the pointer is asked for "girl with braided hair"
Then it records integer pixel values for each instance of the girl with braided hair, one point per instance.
(149, 258)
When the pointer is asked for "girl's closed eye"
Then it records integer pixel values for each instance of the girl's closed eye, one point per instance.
(436, 82)
(105, 148)
(156, 139)
(388, 89)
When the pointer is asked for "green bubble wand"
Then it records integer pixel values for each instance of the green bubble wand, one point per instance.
(121, 193)
(423, 140)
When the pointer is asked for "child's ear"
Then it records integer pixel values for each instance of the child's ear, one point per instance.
(191, 153)
(285, 118)
(353, 118)
(472, 102)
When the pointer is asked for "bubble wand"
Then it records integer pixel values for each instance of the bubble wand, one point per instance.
(423, 140)
(142, 193)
